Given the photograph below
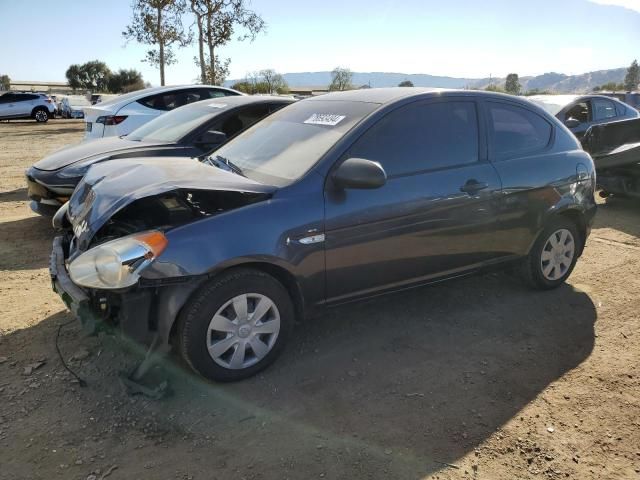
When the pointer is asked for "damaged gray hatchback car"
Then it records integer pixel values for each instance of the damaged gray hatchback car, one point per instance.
(332, 199)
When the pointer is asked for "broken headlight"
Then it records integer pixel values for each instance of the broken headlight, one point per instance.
(118, 263)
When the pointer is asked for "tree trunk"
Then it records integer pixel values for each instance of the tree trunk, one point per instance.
(212, 58)
(203, 69)
(161, 46)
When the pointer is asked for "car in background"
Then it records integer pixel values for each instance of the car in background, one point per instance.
(73, 106)
(123, 114)
(579, 112)
(630, 98)
(332, 199)
(14, 105)
(188, 131)
(101, 97)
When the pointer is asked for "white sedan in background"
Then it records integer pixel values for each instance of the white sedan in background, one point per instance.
(123, 114)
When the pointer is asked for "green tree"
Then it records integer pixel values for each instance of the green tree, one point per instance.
(158, 23)
(494, 88)
(93, 75)
(124, 81)
(609, 86)
(512, 84)
(5, 82)
(243, 86)
(341, 79)
(216, 23)
(406, 83)
(632, 78)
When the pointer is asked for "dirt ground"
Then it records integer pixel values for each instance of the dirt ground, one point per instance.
(477, 378)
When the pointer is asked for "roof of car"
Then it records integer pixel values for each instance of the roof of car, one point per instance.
(132, 96)
(238, 100)
(391, 94)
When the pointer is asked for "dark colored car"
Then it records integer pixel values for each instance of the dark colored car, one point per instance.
(615, 149)
(188, 131)
(332, 199)
(580, 112)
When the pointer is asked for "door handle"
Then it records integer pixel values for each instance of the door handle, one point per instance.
(473, 186)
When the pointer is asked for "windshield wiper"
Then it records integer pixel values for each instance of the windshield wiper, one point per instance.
(224, 164)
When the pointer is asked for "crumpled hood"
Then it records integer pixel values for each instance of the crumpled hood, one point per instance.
(110, 186)
(102, 147)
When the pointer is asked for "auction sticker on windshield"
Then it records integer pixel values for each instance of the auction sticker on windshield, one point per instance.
(324, 119)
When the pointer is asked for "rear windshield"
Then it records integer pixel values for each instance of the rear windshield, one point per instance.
(172, 126)
(285, 145)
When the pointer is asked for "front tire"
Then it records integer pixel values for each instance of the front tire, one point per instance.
(41, 115)
(553, 255)
(235, 325)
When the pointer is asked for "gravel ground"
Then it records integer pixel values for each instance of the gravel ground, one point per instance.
(475, 378)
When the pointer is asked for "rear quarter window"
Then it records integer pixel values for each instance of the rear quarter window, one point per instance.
(516, 131)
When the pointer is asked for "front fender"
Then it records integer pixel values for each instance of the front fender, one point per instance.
(265, 232)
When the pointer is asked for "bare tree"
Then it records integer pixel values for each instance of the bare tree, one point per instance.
(274, 81)
(216, 21)
(158, 23)
(341, 79)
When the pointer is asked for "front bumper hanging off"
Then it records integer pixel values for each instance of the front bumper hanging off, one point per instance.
(76, 299)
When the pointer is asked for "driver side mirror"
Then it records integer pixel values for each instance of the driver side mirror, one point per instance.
(571, 122)
(359, 173)
(212, 137)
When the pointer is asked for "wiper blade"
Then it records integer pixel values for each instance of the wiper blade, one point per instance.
(224, 164)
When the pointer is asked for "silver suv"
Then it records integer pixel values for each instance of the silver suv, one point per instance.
(38, 106)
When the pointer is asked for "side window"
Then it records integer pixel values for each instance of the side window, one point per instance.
(238, 121)
(515, 130)
(164, 101)
(603, 109)
(580, 111)
(621, 110)
(7, 98)
(213, 93)
(422, 136)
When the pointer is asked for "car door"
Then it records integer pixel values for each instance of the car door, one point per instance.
(581, 111)
(6, 105)
(520, 144)
(24, 104)
(435, 215)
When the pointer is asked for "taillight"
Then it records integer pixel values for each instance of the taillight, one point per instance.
(111, 119)
(47, 100)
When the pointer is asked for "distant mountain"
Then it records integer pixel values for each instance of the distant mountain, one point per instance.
(555, 82)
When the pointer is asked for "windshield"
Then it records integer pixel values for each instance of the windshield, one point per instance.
(172, 126)
(285, 145)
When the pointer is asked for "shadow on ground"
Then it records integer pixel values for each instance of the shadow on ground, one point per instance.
(25, 243)
(621, 214)
(396, 387)
(17, 195)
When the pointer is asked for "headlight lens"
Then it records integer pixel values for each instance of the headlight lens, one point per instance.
(78, 169)
(118, 263)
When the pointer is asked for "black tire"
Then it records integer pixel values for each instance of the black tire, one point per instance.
(40, 114)
(193, 321)
(531, 267)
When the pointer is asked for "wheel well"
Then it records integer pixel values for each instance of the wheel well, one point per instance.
(578, 221)
(39, 107)
(285, 278)
(282, 275)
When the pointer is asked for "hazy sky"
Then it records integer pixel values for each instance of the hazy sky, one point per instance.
(469, 38)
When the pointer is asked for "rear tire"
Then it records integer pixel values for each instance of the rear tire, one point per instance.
(553, 255)
(40, 114)
(219, 335)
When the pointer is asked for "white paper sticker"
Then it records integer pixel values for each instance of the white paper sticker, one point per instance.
(329, 119)
(217, 105)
